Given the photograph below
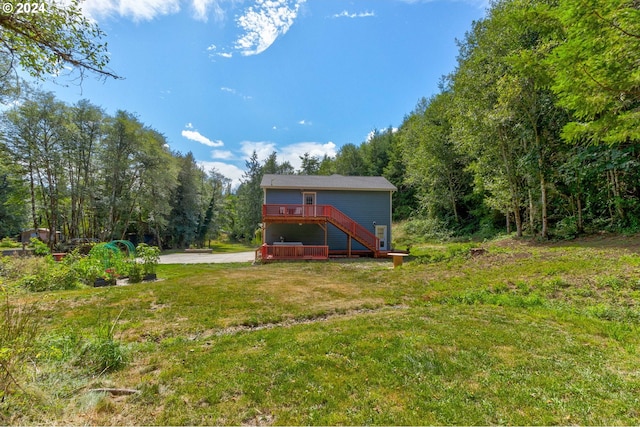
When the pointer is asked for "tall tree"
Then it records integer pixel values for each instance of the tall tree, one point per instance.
(375, 151)
(55, 35)
(119, 174)
(310, 165)
(249, 200)
(12, 195)
(157, 180)
(86, 133)
(349, 161)
(596, 69)
(211, 224)
(435, 165)
(36, 131)
(185, 202)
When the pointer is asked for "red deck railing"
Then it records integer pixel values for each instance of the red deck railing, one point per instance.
(326, 212)
(283, 252)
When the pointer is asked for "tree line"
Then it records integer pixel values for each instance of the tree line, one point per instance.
(539, 122)
(80, 171)
(535, 131)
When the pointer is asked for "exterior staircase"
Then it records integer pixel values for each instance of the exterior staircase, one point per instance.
(325, 213)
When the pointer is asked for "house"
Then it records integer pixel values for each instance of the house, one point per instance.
(311, 217)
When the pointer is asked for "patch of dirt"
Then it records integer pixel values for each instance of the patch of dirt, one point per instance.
(232, 330)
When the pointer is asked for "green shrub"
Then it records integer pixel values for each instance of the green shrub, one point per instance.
(39, 247)
(51, 277)
(424, 229)
(88, 269)
(8, 242)
(62, 277)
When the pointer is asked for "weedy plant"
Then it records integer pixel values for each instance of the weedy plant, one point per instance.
(18, 329)
(103, 353)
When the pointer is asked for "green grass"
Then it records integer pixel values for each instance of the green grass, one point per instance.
(220, 247)
(524, 334)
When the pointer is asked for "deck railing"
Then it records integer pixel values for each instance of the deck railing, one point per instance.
(328, 212)
(283, 252)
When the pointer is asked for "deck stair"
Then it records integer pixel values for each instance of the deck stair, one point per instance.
(322, 213)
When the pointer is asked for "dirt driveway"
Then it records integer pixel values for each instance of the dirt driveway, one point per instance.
(195, 258)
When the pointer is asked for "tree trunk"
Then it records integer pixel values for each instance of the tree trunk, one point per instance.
(518, 219)
(32, 190)
(508, 223)
(543, 200)
(543, 190)
(580, 226)
(531, 212)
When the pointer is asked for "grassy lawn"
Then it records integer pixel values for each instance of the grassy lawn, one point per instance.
(220, 247)
(522, 334)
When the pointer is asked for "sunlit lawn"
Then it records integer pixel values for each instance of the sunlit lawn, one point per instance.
(520, 335)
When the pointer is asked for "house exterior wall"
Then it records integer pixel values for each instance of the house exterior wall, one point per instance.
(364, 207)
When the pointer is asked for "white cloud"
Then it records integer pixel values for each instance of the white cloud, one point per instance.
(235, 92)
(345, 14)
(304, 122)
(196, 136)
(138, 10)
(264, 22)
(222, 154)
(260, 24)
(200, 9)
(263, 149)
(232, 172)
(212, 49)
(292, 153)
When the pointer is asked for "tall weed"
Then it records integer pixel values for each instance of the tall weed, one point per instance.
(103, 353)
(18, 329)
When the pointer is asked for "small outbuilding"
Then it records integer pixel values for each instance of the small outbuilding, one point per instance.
(40, 233)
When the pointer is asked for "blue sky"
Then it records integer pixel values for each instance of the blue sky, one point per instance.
(221, 78)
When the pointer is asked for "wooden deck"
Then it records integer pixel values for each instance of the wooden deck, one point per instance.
(266, 253)
(321, 214)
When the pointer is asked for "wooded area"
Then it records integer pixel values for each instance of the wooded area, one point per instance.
(536, 131)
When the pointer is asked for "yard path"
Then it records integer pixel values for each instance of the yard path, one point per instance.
(195, 258)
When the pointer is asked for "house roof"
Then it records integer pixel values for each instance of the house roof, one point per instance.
(322, 182)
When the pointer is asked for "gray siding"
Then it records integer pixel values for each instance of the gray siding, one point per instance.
(364, 207)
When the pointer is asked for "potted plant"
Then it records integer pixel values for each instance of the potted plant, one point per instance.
(150, 258)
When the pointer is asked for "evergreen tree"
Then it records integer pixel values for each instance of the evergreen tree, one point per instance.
(185, 204)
